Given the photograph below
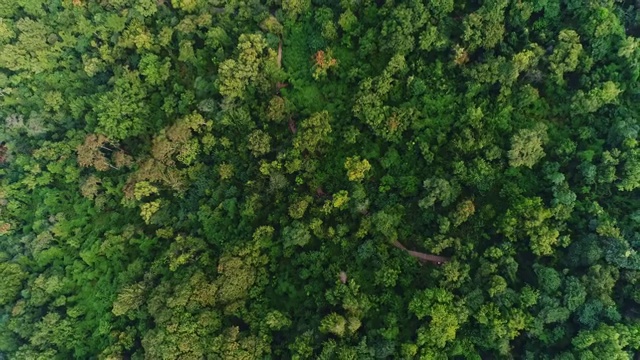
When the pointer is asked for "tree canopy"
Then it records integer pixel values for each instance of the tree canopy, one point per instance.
(319, 179)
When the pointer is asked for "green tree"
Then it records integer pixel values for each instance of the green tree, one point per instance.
(333, 324)
(14, 276)
(314, 133)
(259, 143)
(566, 55)
(526, 146)
(438, 305)
(356, 168)
(250, 70)
(595, 98)
(122, 112)
(294, 8)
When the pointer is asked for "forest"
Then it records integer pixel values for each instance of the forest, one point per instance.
(319, 179)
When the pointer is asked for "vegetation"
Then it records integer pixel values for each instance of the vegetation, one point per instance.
(319, 179)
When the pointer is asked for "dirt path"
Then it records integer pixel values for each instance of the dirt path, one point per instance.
(280, 54)
(435, 259)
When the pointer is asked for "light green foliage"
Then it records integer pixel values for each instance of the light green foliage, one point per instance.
(277, 320)
(356, 168)
(629, 47)
(595, 98)
(129, 298)
(122, 112)
(606, 340)
(259, 143)
(602, 280)
(431, 39)
(402, 24)
(630, 177)
(236, 276)
(463, 211)
(526, 146)
(31, 53)
(314, 133)
(297, 209)
(529, 296)
(530, 219)
(225, 171)
(334, 324)
(386, 222)
(6, 32)
(441, 7)
(566, 54)
(370, 102)
(146, 8)
(13, 277)
(277, 109)
(324, 17)
(143, 188)
(154, 71)
(272, 25)
(439, 190)
(347, 20)
(439, 306)
(484, 27)
(186, 5)
(295, 235)
(498, 285)
(263, 235)
(176, 141)
(294, 8)
(148, 209)
(248, 69)
(341, 199)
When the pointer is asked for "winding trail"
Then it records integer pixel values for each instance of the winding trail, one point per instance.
(280, 54)
(435, 259)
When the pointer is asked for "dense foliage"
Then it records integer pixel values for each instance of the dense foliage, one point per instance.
(258, 179)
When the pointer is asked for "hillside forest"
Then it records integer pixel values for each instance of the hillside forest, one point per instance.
(319, 179)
